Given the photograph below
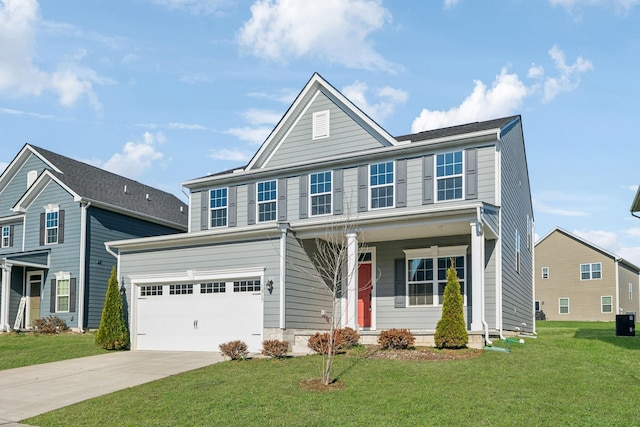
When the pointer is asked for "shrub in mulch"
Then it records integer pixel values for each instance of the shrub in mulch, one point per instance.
(396, 339)
(275, 348)
(49, 325)
(235, 350)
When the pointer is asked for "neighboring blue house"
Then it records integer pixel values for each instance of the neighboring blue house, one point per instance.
(55, 216)
(245, 268)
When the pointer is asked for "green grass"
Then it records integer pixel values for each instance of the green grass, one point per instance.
(26, 349)
(577, 374)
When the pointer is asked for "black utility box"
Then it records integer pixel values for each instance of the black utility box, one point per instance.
(626, 325)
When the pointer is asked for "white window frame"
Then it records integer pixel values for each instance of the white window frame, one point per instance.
(264, 202)
(560, 305)
(518, 252)
(591, 271)
(219, 208)
(445, 176)
(323, 194)
(545, 272)
(321, 124)
(391, 185)
(62, 277)
(602, 304)
(630, 290)
(537, 305)
(51, 210)
(434, 253)
(6, 236)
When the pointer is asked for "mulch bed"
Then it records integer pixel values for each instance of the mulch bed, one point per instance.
(423, 353)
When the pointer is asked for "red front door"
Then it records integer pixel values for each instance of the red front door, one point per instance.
(365, 285)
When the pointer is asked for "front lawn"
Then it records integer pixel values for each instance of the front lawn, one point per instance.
(26, 349)
(573, 374)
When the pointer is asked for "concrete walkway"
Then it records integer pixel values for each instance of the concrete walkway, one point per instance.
(33, 390)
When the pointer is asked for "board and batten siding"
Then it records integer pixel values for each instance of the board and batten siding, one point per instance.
(517, 287)
(18, 185)
(212, 257)
(345, 136)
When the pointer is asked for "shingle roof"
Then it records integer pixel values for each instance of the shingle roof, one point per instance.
(458, 130)
(106, 188)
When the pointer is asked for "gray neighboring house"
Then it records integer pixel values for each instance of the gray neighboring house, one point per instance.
(55, 215)
(418, 201)
(635, 206)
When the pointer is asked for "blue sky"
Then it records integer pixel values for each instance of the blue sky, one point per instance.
(163, 91)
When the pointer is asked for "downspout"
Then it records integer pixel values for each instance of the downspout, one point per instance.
(283, 273)
(499, 266)
(533, 272)
(617, 264)
(480, 216)
(83, 265)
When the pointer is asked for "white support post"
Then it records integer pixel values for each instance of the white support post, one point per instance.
(351, 319)
(477, 274)
(4, 301)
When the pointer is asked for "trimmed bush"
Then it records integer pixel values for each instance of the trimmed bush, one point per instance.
(112, 333)
(451, 331)
(349, 337)
(396, 339)
(319, 342)
(234, 350)
(49, 325)
(275, 348)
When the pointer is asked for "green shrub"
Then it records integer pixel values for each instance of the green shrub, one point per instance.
(396, 339)
(49, 325)
(234, 350)
(451, 331)
(275, 348)
(112, 333)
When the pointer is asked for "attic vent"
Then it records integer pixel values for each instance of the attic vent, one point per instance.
(181, 209)
(147, 196)
(125, 188)
(320, 124)
(31, 177)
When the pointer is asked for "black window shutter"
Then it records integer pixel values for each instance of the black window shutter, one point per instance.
(251, 197)
(72, 295)
(42, 219)
(52, 301)
(337, 191)
(401, 183)
(400, 283)
(11, 227)
(304, 196)
(363, 188)
(427, 180)
(61, 226)
(232, 210)
(204, 210)
(471, 173)
(282, 199)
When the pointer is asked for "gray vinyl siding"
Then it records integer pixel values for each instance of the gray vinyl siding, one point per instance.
(487, 174)
(105, 226)
(490, 301)
(346, 136)
(195, 210)
(39, 257)
(18, 185)
(17, 237)
(517, 288)
(15, 293)
(212, 257)
(305, 296)
(492, 218)
(627, 276)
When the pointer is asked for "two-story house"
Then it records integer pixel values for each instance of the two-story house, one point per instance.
(417, 202)
(56, 213)
(576, 280)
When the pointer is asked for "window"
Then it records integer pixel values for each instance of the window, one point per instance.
(545, 272)
(246, 286)
(606, 304)
(6, 236)
(381, 185)
(591, 271)
(181, 289)
(427, 277)
(320, 124)
(537, 305)
(63, 293)
(529, 230)
(449, 175)
(213, 288)
(517, 251)
(267, 196)
(630, 291)
(320, 190)
(51, 226)
(563, 304)
(150, 290)
(218, 207)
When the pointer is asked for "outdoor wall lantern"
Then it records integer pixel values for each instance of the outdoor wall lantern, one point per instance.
(270, 286)
(123, 290)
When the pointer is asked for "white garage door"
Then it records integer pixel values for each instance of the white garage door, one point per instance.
(199, 316)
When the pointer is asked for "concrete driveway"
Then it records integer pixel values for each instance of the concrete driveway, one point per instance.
(33, 390)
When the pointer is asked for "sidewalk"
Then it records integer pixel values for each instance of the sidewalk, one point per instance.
(33, 390)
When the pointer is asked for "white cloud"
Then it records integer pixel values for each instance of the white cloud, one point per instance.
(620, 6)
(286, 96)
(13, 112)
(503, 98)
(545, 208)
(450, 3)
(197, 78)
(334, 31)
(254, 135)
(633, 188)
(390, 98)
(633, 232)
(604, 239)
(136, 157)
(195, 7)
(186, 126)
(261, 117)
(569, 75)
(19, 76)
(231, 155)
(631, 254)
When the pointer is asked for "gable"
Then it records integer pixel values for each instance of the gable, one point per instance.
(14, 183)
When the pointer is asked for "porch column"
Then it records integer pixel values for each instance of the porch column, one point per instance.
(4, 301)
(477, 275)
(351, 319)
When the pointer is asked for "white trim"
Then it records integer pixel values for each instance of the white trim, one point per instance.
(392, 185)
(2, 236)
(435, 176)
(195, 276)
(611, 304)
(283, 274)
(617, 303)
(591, 264)
(27, 317)
(274, 200)
(60, 276)
(568, 305)
(477, 272)
(226, 207)
(311, 195)
(374, 277)
(351, 319)
(542, 273)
